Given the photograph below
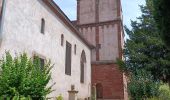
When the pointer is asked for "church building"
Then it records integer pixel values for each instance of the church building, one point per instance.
(83, 52)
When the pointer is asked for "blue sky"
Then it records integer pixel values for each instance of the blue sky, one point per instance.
(130, 8)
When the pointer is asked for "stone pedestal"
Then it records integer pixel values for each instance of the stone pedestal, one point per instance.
(72, 93)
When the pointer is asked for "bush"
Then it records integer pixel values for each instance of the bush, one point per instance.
(164, 92)
(141, 86)
(59, 97)
(23, 77)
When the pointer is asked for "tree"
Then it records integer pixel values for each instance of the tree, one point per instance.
(145, 50)
(23, 77)
(162, 17)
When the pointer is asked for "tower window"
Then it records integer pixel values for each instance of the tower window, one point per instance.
(42, 26)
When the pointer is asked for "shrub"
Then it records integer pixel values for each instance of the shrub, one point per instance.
(59, 97)
(141, 86)
(164, 93)
(23, 77)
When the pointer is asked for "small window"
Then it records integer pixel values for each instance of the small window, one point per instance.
(62, 39)
(42, 63)
(75, 49)
(39, 60)
(68, 59)
(42, 26)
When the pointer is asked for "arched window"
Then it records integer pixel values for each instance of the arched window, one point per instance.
(42, 26)
(62, 39)
(99, 91)
(75, 49)
(82, 66)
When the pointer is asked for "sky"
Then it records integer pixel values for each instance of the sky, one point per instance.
(130, 9)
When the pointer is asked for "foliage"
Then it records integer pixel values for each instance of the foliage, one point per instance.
(147, 59)
(164, 93)
(93, 97)
(162, 17)
(16, 98)
(142, 86)
(145, 50)
(59, 97)
(23, 77)
(93, 94)
(122, 65)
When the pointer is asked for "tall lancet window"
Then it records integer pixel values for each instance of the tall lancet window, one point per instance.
(42, 26)
(1, 10)
(82, 66)
(68, 59)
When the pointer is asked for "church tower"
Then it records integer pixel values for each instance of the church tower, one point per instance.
(100, 22)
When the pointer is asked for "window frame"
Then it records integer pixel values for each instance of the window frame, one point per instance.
(42, 26)
(34, 54)
(1, 13)
(68, 58)
(83, 67)
(75, 49)
(62, 40)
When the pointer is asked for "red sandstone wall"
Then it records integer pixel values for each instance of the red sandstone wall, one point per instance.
(99, 24)
(125, 79)
(111, 79)
(108, 38)
(87, 11)
(89, 34)
(107, 10)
